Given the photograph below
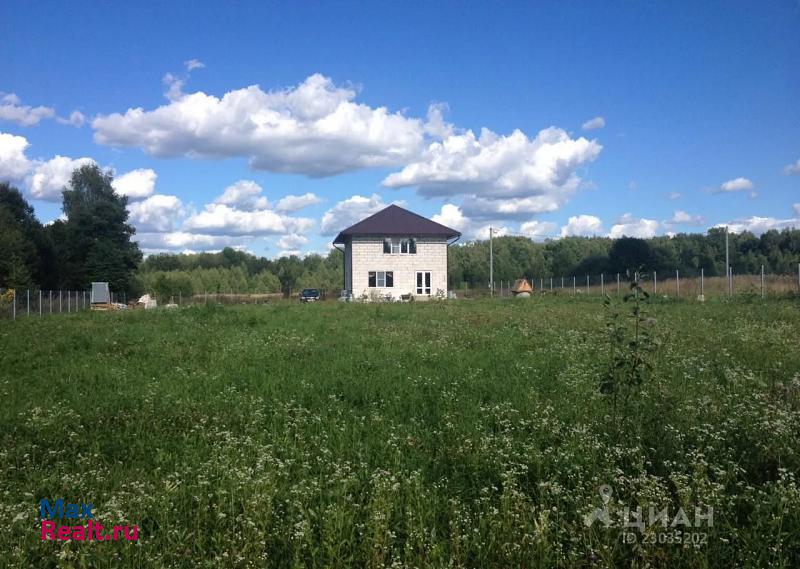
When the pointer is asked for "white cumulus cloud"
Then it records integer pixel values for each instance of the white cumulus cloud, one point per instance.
(293, 242)
(501, 176)
(629, 226)
(736, 185)
(595, 123)
(12, 109)
(75, 118)
(489, 208)
(158, 213)
(222, 219)
(136, 184)
(183, 241)
(582, 226)
(538, 230)
(45, 179)
(499, 166)
(349, 211)
(759, 225)
(14, 165)
(294, 203)
(451, 216)
(482, 232)
(48, 178)
(193, 64)
(315, 128)
(792, 168)
(245, 195)
(680, 217)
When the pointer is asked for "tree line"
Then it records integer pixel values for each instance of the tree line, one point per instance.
(94, 242)
(515, 257)
(238, 272)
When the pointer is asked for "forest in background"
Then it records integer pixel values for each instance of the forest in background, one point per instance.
(94, 242)
(468, 263)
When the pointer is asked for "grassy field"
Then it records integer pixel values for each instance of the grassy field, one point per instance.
(458, 434)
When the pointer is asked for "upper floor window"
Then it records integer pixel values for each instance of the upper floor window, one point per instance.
(400, 246)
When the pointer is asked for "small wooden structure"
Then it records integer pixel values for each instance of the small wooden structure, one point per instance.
(522, 288)
(101, 297)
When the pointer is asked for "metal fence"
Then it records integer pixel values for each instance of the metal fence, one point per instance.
(670, 285)
(31, 303)
(38, 303)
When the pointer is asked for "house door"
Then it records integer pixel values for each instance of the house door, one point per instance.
(423, 282)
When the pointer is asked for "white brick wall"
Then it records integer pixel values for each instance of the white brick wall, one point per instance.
(366, 254)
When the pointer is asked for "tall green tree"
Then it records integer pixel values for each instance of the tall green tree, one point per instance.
(21, 240)
(630, 254)
(95, 242)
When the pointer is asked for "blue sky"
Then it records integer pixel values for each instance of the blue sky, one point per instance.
(211, 114)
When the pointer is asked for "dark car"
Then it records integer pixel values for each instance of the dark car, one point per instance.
(309, 295)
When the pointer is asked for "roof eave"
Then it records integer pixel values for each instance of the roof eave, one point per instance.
(341, 238)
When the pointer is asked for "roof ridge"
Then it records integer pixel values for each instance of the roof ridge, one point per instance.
(396, 220)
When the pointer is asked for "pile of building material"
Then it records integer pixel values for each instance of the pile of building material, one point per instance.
(522, 288)
(147, 301)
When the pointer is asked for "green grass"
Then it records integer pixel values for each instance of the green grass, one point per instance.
(465, 434)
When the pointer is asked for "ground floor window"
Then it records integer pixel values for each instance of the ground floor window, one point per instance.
(423, 282)
(381, 279)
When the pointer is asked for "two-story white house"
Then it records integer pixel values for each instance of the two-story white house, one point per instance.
(395, 253)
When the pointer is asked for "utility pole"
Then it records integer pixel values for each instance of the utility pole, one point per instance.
(491, 265)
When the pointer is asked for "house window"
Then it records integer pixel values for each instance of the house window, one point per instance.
(423, 282)
(381, 279)
(400, 246)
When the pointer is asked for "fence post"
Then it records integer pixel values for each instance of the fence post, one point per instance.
(677, 283)
(40, 303)
(562, 283)
(50, 301)
(180, 297)
(702, 283)
(617, 284)
(574, 289)
(59, 302)
(602, 284)
(655, 283)
(551, 284)
(541, 284)
(587, 285)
